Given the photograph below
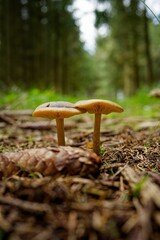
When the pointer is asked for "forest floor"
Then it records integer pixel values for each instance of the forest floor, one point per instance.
(118, 198)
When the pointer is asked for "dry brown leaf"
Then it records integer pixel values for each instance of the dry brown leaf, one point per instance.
(149, 191)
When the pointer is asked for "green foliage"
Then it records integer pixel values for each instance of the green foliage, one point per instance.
(102, 151)
(30, 99)
(138, 187)
(141, 104)
(42, 48)
(128, 56)
(101, 18)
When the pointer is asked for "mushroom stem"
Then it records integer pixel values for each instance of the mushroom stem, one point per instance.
(60, 131)
(96, 133)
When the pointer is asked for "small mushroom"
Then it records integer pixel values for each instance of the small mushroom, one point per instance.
(155, 93)
(98, 107)
(58, 111)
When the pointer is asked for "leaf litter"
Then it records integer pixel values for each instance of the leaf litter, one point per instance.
(49, 192)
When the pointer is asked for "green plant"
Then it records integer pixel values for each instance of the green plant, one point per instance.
(138, 105)
(102, 151)
(18, 99)
(138, 186)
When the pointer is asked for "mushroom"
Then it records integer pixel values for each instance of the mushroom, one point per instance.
(98, 107)
(155, 93)
(58, 111)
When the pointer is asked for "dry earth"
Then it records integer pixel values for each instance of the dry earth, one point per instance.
(83, 198)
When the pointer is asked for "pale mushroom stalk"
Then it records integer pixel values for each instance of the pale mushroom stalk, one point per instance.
(98, 107)
(60, 131)
(96, 133)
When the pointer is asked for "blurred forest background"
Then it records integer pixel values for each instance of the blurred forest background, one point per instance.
(40, 48)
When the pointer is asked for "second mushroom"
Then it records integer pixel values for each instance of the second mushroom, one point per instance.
(59, 111)
(98, 107)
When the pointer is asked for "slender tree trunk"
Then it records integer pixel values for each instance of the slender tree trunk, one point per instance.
(135, 41)
(57, 53)
(128, 77)
(131, 65)
(149, 65)
(8, 43)
(65, 87)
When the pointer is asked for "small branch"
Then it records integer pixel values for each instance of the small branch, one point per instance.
(25, 205)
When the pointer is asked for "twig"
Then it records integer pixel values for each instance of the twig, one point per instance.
(25, 205)
(119, 171)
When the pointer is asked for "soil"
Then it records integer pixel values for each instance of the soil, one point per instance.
(119, 199)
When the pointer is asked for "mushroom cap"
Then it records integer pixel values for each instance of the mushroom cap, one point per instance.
(98, 106)
(53, 110)
(155, 93)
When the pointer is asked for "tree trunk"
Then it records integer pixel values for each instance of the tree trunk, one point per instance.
(57, 53)
(149, 65)
(135, 41)
(129, 88)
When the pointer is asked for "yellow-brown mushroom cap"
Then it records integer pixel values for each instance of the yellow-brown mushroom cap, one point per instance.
(53, 110)
(98, 106)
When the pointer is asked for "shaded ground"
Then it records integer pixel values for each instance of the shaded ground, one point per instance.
(122, 202)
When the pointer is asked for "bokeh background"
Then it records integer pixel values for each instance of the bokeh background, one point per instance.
(43, 48)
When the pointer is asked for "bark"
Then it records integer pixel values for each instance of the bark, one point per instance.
(149, 64)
